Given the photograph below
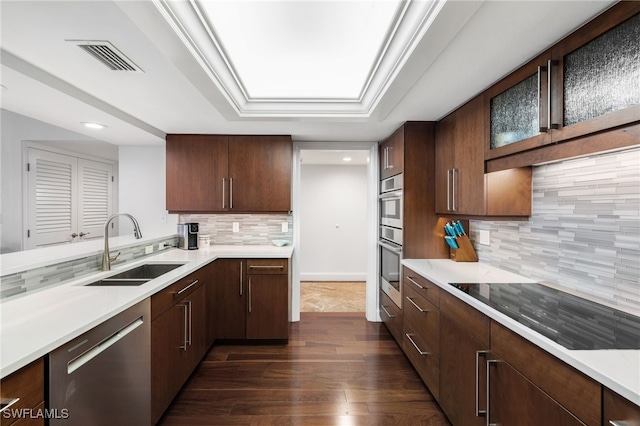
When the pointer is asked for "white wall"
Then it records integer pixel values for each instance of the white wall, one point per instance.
(333, 223)
(15, 130)
(142, 190)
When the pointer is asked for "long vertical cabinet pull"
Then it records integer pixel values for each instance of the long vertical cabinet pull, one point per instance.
(389, 164)
(223, 203)
(230, 193)
(454, 195)
(448, 190)
(543, 115)
(479, 413)
(249, 294)
(490, 363)
(190, 308)
(186, 325)
(550, 122)
(241, 278)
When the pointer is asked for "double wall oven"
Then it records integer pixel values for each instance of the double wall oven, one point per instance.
(390, 237)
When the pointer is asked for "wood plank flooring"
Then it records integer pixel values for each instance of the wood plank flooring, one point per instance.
(337, 369)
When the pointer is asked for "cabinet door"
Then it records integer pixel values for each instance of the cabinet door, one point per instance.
(391, 154)
(618, 411)
(514, 400)
(596, 73)
(462, 381)
(268, 307)
(391, 316)
(260, 173)
(197, 173)
(167, 357)
(196, 328)
(445, 161)
(27, 384)
(230, 298)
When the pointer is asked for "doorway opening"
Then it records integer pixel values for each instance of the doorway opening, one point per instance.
(335, 206)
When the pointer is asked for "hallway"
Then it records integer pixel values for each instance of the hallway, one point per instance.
(337, 369)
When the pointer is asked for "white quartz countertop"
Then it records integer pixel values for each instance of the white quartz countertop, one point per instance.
(35, 324)
(619, 370)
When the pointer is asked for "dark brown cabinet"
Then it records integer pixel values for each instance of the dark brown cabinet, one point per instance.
(391, 153)
(584, 84)
(252, 299)
(461, 185)
(26, 384)
(178, 338)
(218, 173)
(618, 411)
(391, 316)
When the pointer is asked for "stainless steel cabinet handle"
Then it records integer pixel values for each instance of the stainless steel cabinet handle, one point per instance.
(190, 307)
(387, 312)
(420, 351)
(490, 362)
(241, 278)
(448, 190)
(386, 157)
(390, 164)
(266, 267)
(619, 423)
(7, 402)
(249, 294)
(223, 182)
(188, 287)
(454, 195)
(186, 325)
(230, 193)
(415, 283)
(550, 122)
(479, 413)
(410, 299)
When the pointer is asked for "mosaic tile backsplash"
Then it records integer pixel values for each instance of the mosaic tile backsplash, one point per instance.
(584, 232)
(254, 229)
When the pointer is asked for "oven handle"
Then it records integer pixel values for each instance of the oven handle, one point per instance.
(390, 247)
(391, 194)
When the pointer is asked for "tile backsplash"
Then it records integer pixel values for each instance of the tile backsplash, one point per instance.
(584, 232)
(254, 229)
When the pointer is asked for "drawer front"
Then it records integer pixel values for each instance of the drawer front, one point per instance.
(391, 316)
(423, 360)
(26, 384)
(470, 319)
(267, 266)
(620, 410)
(421, 285)
(422, 318)
(166, 298)
(576, 392)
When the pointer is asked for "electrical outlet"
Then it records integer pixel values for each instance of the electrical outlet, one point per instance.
(148, 249)
(162, 245)
(285, 226)
(163, 216)
(485, 237)
(236, 227)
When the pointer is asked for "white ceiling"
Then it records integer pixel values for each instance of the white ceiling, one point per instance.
(451, 52)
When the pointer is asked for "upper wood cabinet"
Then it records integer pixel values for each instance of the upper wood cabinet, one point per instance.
(586, 83)
(219, 173)
(461, 186)
(391, 153)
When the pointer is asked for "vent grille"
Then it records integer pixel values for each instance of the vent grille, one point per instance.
(107, 54)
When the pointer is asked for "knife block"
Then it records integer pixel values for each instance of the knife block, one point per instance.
(465, 251)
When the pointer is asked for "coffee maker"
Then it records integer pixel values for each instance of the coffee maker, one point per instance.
(188, 236)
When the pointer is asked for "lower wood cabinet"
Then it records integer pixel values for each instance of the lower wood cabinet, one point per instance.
(392, 316)
(251, 299)
(618, 411)
(27, 384)
(178, 339)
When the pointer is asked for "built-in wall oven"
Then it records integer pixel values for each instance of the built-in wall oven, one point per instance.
(390, 238)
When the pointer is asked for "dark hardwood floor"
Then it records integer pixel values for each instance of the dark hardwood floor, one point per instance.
(337, 369)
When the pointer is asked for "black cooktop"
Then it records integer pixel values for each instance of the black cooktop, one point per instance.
(568, 320)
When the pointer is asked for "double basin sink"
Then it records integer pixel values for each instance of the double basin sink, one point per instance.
(138, 275)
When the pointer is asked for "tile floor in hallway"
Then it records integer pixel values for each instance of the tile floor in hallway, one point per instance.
(331, 296)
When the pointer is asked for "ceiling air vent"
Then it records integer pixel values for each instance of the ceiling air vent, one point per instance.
(107, 53)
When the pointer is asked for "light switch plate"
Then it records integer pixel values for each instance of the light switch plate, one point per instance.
(485, 237)
(148, 249)
(285, 226)
(236, 226)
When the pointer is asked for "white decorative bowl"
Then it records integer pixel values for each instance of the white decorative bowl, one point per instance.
(280, 243)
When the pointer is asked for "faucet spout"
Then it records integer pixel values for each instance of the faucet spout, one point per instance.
(106, 256)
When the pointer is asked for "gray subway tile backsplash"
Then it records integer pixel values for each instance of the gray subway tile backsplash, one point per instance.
(584, 231)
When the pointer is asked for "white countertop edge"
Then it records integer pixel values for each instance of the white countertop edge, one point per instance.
(16, 351)
(589, 362)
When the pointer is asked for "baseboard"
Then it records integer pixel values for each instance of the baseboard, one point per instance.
(323, 276)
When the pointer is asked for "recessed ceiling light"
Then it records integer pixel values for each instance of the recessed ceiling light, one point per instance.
(346, 159)
(94, 125)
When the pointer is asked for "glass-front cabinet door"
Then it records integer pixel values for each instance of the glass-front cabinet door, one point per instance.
(587, 83)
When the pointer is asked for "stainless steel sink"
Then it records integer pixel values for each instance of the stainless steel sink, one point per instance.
(138, 275)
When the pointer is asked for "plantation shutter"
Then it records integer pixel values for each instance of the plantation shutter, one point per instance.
(95, 196)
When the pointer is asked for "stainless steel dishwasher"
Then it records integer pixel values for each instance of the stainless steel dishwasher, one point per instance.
(104, 376)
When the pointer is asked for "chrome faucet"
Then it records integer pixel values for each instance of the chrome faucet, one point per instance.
(106, 256)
